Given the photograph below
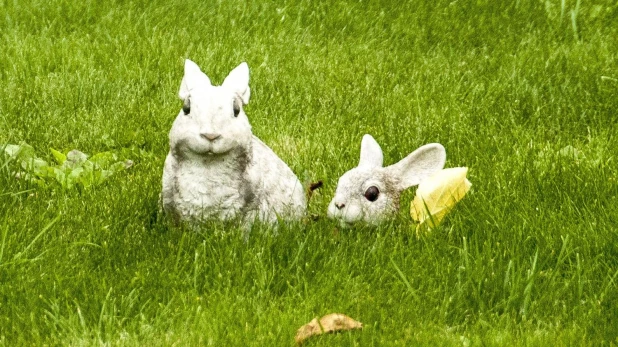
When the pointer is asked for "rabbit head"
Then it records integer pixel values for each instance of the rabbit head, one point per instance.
(212, 119)
(370, 192)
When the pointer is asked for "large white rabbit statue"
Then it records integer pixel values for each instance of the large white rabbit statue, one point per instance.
(216, 168)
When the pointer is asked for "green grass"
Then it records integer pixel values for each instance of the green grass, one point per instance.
(529, 257)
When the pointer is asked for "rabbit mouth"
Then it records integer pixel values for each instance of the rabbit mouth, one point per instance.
(341, 219)
(344, 216)
(213, 152)
(211, 148)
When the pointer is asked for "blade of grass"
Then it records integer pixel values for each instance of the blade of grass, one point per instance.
(404, 279)
(17, 256)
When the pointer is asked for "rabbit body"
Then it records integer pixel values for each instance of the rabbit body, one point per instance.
(216, 168)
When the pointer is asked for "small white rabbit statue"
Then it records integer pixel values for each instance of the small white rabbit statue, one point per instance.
(371, 193)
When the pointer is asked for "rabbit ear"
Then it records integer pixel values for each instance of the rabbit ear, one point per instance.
(419, 164)
(193, 78)
(371, 153)
(238, 81)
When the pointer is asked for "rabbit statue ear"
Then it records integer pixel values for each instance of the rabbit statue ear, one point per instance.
(418, 165)
(193, 78)
(370, 153)
(238, 81)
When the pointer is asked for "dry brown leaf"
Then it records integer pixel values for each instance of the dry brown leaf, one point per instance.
(330, 323)
(312, 187)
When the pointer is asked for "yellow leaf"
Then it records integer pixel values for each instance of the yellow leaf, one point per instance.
(437, 195)
(330, 323)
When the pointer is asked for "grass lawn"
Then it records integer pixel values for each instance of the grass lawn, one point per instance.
(524, 93)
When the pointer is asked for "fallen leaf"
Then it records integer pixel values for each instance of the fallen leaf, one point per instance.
(311, 187)
(437, 195)
(316, 185)
(330, 323)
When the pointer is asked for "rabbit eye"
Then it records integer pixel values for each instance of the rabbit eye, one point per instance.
(372, 193)
(236, 109)
(186, 107)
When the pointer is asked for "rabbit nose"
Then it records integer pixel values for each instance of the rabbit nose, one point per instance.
(339, 206)
(210, 136)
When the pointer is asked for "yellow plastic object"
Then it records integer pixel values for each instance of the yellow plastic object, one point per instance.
(437, 195)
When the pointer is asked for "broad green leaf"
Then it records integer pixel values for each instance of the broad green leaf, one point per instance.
(26, 153)
(60, 176)
(58, 156)
(88, 166)
(88, 179)
(47, 171)
(20, 152)
(571, 154)
(117, 167)
(33, 165)
(103, 159)
(74, 168)
(105, 174)
(75, 173)
(75, 158)
(128, 163)
(12, 150)
(38, 163)
(437, 195)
